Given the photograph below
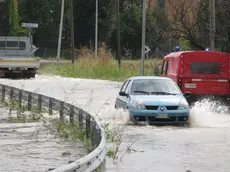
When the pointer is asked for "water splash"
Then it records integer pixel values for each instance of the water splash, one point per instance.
(115, 116)
(209, 113)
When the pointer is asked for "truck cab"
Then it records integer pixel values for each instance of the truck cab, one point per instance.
(203, 73)
(16, 57)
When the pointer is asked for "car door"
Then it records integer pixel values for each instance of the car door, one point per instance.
(121, 101)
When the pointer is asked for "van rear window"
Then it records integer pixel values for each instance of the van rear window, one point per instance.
(205, 68)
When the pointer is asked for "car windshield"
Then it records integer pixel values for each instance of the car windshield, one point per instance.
(154, 87)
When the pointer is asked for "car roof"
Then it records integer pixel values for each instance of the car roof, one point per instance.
(148, 77)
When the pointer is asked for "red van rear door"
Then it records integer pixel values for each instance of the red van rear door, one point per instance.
(206, 73)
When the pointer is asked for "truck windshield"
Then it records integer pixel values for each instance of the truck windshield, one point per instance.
(205, 68)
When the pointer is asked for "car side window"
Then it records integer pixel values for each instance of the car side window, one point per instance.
(127, 87)
(123, 87)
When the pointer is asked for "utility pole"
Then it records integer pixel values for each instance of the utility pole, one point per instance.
(118, 54)
(212, 24)
(30, 41)
(60, 31)
(143, 37)
(96, 29)
(72, 31)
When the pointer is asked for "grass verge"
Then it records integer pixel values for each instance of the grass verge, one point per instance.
(72, 132)
(101, 67)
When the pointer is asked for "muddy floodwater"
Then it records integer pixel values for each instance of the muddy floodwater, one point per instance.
(32, 147)
(202, 147)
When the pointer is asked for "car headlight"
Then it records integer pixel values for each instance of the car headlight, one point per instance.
(137, 105)
(183, 105)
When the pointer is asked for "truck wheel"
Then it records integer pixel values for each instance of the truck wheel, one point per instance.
(32, 75)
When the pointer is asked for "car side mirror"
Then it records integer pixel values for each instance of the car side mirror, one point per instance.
(187, 94)
(123, 94)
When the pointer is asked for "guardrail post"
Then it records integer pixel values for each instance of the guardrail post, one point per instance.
(3, 93)
(81, 119)
(11, 100)
(87, 126)
(39, 102)
(50, 106)
(70, 162)
(29, 103)
(93, 135)
(51, 169)
(20, 99)
(71, 114)
(61, 111)
(11, 93)
(97, 137)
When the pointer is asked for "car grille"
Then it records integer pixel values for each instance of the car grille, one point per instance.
(153, 119)
(151, 107)
(156, 107)
(172, 107)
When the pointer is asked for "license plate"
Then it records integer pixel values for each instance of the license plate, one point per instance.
(17, 69)
(162, 116)
(190, 85)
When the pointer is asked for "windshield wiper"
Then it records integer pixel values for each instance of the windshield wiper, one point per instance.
(144, 92)
(163, 93)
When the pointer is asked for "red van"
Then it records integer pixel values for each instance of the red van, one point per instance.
(203, 73)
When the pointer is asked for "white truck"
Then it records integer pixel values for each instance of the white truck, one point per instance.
(17, 57)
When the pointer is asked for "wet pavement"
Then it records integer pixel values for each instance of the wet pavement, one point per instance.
(203, 147)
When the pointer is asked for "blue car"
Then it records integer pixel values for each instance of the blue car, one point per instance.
(153, 99)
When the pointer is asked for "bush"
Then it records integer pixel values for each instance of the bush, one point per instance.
(104, 66)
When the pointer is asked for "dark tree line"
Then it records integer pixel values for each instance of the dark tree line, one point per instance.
(180, 22)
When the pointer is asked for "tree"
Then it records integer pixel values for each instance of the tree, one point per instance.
(131, 30)
(84, 17)
(4, 19)
(13, 17)
(190, 20)
(222, 26)
(185, 22)
(47, 14)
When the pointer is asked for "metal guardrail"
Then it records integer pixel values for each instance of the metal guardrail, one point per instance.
(86, 122)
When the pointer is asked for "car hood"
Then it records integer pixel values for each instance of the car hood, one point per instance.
(158, 99)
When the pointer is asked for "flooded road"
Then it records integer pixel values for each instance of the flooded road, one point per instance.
(203, 147)
(31, 147)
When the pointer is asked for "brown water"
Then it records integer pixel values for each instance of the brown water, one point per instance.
(203, 147)
(32, 147)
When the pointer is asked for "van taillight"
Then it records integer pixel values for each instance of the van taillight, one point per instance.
(180, 83)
